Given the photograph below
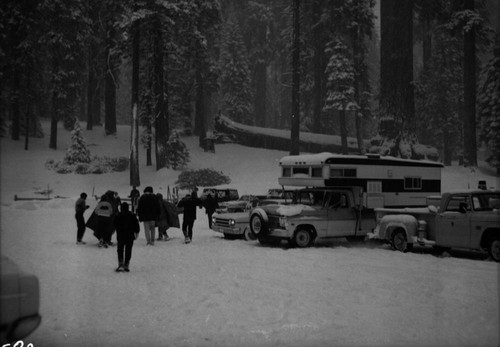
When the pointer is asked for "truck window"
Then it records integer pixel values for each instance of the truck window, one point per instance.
(337, 200)
(486, 202)
(454, 203)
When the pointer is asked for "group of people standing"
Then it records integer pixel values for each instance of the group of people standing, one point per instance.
(111, 215)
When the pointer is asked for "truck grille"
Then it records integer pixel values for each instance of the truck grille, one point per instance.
(222, 222)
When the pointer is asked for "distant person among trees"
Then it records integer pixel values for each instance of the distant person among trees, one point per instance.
(210, 205)
(148, 210)
(127, 230)
(80, 207)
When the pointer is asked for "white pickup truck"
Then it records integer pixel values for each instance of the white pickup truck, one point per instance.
(468, 219)
(316, 213)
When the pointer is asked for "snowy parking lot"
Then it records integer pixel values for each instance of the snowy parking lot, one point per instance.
(215, 292)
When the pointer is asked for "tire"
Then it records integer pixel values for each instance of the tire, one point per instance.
(494, 249)
(257, 225)
(302, 238)
(399, 241)
(248, 235)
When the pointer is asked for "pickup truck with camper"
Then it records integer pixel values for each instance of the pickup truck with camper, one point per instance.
(316, 213)
(468, 219)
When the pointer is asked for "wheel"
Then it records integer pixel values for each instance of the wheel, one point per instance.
(248, 235)
(258, 225)
(399, 241)
(302, 238)
(494, 249)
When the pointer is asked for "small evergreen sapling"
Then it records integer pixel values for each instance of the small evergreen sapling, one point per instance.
(77, 151)
(177, 153)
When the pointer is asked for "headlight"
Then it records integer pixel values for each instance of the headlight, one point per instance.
(213, 220)
(232, 222)
(283, 222)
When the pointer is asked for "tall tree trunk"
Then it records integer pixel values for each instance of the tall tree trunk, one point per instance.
(54, 121)
(470, 146)
(161, 135)
(199, 126)
(135, 180)
(15, 109)
(319, 67)
(396, 66)
(110, 94)
(343, 130)
(295, 121)
(91, 87)
(260, 94)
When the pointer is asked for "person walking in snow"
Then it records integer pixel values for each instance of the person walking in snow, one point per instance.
(148, 210)
(210, 205)
(189, 204)
(80, 207)
(162, 222)
(104, 212)
(127, 230)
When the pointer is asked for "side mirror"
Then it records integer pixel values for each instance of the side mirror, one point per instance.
(433, 209)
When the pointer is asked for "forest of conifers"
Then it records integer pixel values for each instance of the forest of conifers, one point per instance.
(398, 72)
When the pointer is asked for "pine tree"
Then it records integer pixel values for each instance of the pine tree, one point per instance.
(78, 151)
(340, 86)
(177, 154)
(235, 75)
(489, 107)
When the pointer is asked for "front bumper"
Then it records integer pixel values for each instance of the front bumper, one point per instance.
(236, 230)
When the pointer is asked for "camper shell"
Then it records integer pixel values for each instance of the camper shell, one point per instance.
(385, 181)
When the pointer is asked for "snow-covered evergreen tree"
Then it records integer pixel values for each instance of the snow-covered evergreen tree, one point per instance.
(77, 151)
(489, 107)
(340, 95)
(177, 155)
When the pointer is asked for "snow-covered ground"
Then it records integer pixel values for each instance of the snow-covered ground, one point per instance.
(215, 292)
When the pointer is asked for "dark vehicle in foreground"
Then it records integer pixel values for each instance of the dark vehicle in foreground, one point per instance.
(19, 302)
(464, 220)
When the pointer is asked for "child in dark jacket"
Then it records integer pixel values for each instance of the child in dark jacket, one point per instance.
(127, 229)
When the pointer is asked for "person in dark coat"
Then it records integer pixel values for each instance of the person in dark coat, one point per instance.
(134, 198)
(148, 210)
(210, 205)
(127, 229)
(80, 207)
(104, 212)
(162, 222)
(189, 204)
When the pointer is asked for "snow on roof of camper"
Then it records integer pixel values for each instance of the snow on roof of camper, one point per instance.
(368, 159)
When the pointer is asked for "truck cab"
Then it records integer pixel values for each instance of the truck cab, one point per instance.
(468, 219)
(316, 213)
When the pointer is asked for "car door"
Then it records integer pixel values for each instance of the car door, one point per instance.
(341, 216)
(453, 224)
